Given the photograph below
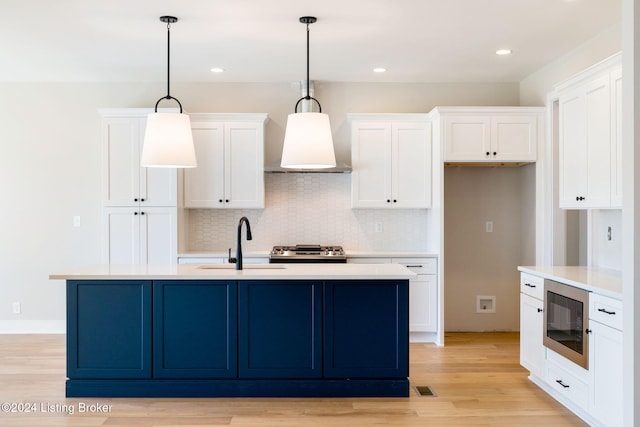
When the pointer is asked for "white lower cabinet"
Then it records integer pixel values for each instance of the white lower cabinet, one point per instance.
(594, 394)
(605, 360)
(568, 380)
(133, 235)
(532, 352)
(423, 295)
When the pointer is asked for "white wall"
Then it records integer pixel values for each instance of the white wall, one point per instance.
(481, 263)
(535, 87)
(50, 164)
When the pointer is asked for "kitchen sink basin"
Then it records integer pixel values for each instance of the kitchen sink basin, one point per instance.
(244, 267)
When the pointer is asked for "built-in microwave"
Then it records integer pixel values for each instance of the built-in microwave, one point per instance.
(566, 318)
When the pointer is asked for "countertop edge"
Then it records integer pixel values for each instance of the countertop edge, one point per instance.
(193, 272)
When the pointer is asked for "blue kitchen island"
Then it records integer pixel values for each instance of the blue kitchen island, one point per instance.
(294, 330)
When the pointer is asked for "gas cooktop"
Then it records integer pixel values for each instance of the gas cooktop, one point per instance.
(307, 254)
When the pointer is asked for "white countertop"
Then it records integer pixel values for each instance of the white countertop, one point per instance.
(250, 272)
(600, 281)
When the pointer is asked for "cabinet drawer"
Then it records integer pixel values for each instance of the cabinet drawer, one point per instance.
(418, 265)
(532, 285)
(605, 310)
(567, 385)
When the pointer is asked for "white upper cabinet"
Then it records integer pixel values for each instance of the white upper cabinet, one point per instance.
(230, 155)
(391, 156)
(590, 174)
(125, 182)
(489, 134)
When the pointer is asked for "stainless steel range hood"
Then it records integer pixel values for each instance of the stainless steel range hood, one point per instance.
(276, 168)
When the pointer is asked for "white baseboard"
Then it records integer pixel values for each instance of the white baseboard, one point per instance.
(33, 327)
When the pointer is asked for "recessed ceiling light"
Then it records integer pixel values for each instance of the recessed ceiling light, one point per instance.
(379, 70)
(217, 70)
(503, 52)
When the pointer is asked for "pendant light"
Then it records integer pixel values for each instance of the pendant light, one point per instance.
(308, 143)
(168, 141)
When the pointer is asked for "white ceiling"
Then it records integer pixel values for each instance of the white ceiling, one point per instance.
(262, 40)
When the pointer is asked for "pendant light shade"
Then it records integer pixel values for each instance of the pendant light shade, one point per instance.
(308, 143)
(168, 141)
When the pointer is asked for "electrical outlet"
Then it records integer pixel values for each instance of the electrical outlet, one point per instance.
(16, 308)
(378, 227)
(76, 221)
(489, 226)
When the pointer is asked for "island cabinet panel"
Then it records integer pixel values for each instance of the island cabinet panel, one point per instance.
(366, 331)
(195, 329)
(280, 329)
(109, 329)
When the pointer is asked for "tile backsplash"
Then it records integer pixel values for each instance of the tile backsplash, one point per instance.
(309, 208)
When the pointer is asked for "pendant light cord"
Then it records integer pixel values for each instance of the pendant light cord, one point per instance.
(168, 20)
(308, 97)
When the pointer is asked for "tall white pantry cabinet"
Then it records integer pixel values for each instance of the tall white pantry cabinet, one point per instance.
(139, 204)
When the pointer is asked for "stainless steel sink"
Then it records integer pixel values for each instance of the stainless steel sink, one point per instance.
(244, 267)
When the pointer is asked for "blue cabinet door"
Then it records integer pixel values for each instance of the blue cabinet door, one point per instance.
(366, 332)
(195, 329)
(108, 329)
(280, 329)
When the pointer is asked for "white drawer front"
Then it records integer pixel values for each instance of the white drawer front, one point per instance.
(532, 285)
(418, 265)
(605, 310)
(568, 385)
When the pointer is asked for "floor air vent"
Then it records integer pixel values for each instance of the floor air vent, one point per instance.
(424, 390)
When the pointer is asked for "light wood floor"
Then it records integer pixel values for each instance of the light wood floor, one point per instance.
(476, 376)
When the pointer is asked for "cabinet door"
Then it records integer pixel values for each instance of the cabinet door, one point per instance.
(514, 138)
(605, 360)
(121, 142)
(366, 329)
(204, 185)
(423, 303)
(280, 329)
(371, 157)
(598, 121)
(411, 165)
(616, 138)
(573, 152)
(532, 351)
(126, 183)
(466, 138)
(108, 329)
(158, 235)
(121, 236)
(195, 329)
(244, 165)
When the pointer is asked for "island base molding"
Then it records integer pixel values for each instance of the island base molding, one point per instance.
(238, 388)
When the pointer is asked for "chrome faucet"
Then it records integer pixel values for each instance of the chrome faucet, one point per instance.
(238, 259)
